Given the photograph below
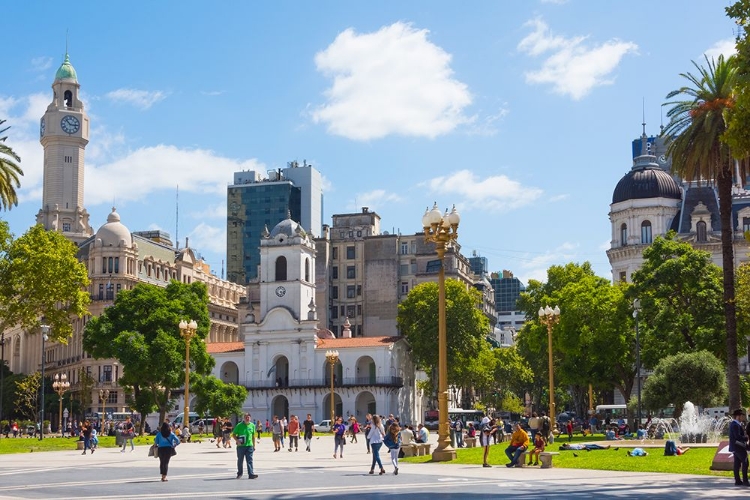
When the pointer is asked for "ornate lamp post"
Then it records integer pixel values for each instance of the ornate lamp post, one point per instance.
(550, 317)
(187, 330)
(442, 229)
(636, 311)
(332, 357)
(103, 396)
(60, 385)
(45, 332)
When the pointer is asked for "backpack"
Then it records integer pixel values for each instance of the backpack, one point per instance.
(545, 426)
(670, 448)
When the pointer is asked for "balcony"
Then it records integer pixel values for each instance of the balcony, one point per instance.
(326, 383)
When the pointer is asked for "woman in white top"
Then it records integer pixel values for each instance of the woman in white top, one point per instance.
(376, 441)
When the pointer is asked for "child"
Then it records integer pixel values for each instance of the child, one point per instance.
(393, 441)
(538, 448)
(569, 428)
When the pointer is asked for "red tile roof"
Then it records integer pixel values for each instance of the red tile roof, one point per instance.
(218, 347)
(356, 342)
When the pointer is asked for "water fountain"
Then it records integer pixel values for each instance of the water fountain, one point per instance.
(690, 427)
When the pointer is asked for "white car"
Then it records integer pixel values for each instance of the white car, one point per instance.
(323, 426)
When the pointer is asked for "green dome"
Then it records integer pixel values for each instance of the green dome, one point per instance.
(66, 71)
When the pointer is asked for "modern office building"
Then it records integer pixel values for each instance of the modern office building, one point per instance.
(256, 203)
(507, 289)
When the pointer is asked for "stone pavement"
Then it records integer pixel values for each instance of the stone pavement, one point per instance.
(200, 470)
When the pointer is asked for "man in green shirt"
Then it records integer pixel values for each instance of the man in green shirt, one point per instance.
(244, 435)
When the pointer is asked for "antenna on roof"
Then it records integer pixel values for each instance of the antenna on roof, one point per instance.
(177, 217)
(66, 41)
(643, 113)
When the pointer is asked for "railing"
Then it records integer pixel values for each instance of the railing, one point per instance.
(325, 383)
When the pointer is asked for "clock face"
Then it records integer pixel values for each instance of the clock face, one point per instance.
(41, 128)
(280, 291)
(70, 124)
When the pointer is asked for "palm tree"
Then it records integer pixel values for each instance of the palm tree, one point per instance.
(694, 137)
(9, 172)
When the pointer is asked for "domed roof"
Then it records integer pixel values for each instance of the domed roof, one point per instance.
(66, 71)
(287, 227)
(113, 233)
(648, 182)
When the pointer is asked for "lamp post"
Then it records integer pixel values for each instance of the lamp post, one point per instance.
(550, 317)
(187, 330)
(332, 357)
(442, 230)
(45, 332)
(636, 311)
(2, 371)
(103, 395)
(60, 385)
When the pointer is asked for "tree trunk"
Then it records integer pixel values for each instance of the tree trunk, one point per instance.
(730, 312)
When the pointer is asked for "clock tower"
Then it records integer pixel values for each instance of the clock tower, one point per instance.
(64, 133)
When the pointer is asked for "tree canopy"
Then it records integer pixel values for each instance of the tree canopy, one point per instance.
(9, 173)
(41, 280)
(214, 397)
(141, 331)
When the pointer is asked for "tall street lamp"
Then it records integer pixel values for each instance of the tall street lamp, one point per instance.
(103, 396)
(2, 371)
(187, 330)
(60, 385)
(442, 230)
(636, 311)
(332, 357)
(45, 332)
(550, 317)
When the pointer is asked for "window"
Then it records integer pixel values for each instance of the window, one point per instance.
(101, 291)
(104, 265)
(404, 248)
(359, 309)
(117, 265)
(334, 253)
(350, 291)
(413, 267)
(404, 269)
(646, 233)
(342, 234)
(623, 276)
(350, 272)
(66, 227)
(700, 228)
(335, 272)
(745, 224)
(359, 233)
(335, 292)
(350, 311)
(110, 265)
(343, 310)
(307, 270)
(112, 398)
(334, 312)
(404, 287)
(107, 373)
(359, 290)
(624, 235)
(349, 252)
(281, 269)
(359, 331)
(351, 234)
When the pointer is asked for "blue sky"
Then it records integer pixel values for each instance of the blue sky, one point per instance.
(520, 113)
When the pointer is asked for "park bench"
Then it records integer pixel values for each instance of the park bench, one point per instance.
(409, 450)
(470, 442)
(423, 448)
(545, 458)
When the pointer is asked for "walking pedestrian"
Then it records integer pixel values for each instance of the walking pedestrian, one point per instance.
(309, 428)
(244, 435)
(165, 442)
(293, 433)
(216, 429)
(277, 430)
(738, 447)
(339, 439)
(393, 442)
(128, 434)
(86, 431)
(284, 429)
(377, 434)
(368, 427)
(226, 433)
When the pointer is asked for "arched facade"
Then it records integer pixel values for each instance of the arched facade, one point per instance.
(364, 403)
(366, 371)
(230, 373)
(280, 406)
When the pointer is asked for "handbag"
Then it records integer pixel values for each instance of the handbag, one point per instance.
(152, 451)
(174, 452)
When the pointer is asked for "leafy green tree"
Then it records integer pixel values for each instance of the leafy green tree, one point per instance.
(215, 397)
(466, 326)
(512, 403)
(737, 135)
(9, 173)
(593, 343)
(697, 377)
(27, 396)
(40, 277)
(513, 375)
(86, 385)
(141, 331)
(694, 138)
(680, 292)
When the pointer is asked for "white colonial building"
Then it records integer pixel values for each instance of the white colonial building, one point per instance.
(281, 358)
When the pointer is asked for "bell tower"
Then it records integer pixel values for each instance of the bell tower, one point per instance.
(64, 133)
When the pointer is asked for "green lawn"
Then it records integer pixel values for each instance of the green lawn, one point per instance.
(27, 445)
(695, 461)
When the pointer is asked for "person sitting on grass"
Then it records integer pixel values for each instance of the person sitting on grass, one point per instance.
(611, 435)
(671, 449)
(585, 446)
(538, 448)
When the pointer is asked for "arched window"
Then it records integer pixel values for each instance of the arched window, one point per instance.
(117, 265)
(624, 235)
(700, 228)
(307, 270)
(68, 97)
(281, 269)
(646, 238)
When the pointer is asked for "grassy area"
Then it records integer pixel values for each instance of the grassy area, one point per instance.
(695, 461)
(27, 445)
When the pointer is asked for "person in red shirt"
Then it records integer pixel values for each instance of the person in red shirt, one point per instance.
(569, 428)
(293, 433)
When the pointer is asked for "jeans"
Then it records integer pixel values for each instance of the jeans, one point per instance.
(293, 442)
(376, 455)
(245, 453)
(513, 453)
(125, 444)
(460, 439)
(86, 443)
(394, 457)
(165, 453)
(339, 444)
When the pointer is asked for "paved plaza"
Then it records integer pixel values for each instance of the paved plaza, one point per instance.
(200, 470)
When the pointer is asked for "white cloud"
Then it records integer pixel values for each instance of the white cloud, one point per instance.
(216, 211)
(42, 63)
(536, 267)
(725, 47)
(573, 68)
(143, 99)
(152, 169)
(209, 238)
(374, 199)
(492, 193)
(212, 92)
(390, 82)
